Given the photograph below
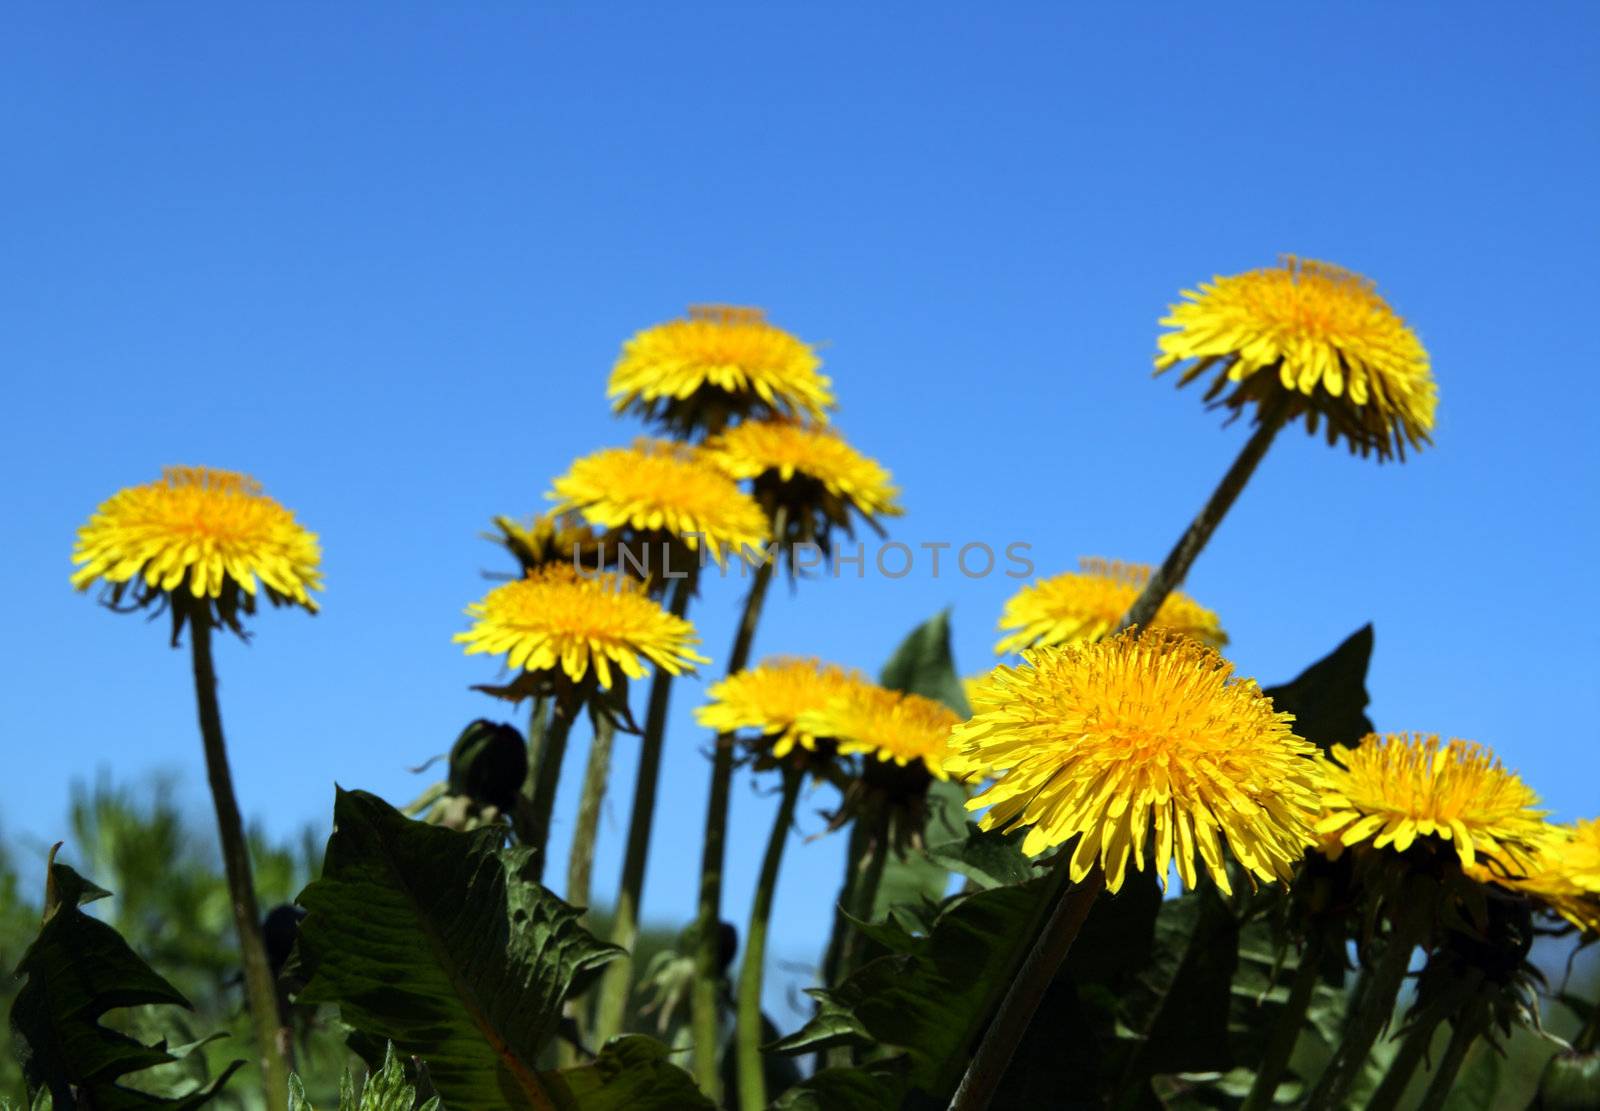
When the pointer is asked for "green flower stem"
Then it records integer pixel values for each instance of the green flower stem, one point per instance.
(747, 1027)
(274, 1040)
(1463, 1032)
(1170, 575)
(704, 1003)
(988, 1066)
(538, 723)
(1403, 1067)
(1286, 1027)
(616, 983)
(547, 779)
(869, 869)
(580, 865)
(1374, 998)
(855, 855)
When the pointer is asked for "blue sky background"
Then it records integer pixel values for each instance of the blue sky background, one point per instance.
(382, 258)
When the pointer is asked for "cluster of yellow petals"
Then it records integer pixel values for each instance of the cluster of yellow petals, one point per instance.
(1566, 875)
(891, 726)
(550, 538)
(559, 618)
(1390, 790)
(774, 697)
(746, 366)
(789, 449)
(1138, 739)
(1328, 344)
(209, 527)
(659, 486)
(1090, 603)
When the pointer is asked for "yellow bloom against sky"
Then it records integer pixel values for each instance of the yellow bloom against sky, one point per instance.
(722, 362)
(773, 698)
(1150, 750)
(656, 486)
(1090, 603)
(886, 725)
(557, 618)
(1320, 337)
(198, 529)
(1392, 790)
(787, 450)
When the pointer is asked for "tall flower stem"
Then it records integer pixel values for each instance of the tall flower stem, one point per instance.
(1404, 1066)
(704, 1005)
(1028, 987)
(1286, 1027)
(1374, 999)
(867, 877)
(580, 865)
(617, 981)
(1170, 575)
(1463, 1032)
(551, 754)
(274, 1041)
(747, 1023)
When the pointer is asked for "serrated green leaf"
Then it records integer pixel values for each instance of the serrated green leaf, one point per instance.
(76, 970)
(877, 1086)
(1329, 698)
(632, 1073)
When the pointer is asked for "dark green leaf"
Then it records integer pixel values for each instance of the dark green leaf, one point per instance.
(443, 943)
(988, 859)
(78, 969)
(632, 1073)
(923, 664)
(877, 1086)
(1329, 698)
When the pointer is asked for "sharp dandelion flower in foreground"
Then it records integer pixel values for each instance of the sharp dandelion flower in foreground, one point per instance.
(721, 364)
(207, 542)
(1147, 750)
(1089, 603)
(1391, 791)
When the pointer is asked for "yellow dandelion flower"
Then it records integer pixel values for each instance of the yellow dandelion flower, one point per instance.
(807, 466)
(557, 618)
(1565, 874)
(721, 363)
(656, 486)
(774, 698)
(1391, 790)
(1330, 347)
(1128, 740)
(209, 534)
(1090, 603)
(893, 726)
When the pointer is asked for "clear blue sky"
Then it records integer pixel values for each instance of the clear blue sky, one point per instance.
(382, 257)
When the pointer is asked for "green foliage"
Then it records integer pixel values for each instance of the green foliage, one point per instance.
(387, 1089)
(1329, 698)
(442, 943)
(924, 664)
(77, 970)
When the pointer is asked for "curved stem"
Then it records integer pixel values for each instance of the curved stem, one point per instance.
(1463, 1032)
(704, 998)
(1286, 1027)
(616, 983)
(551, 754)
(274, 1040)
(580, 865)
(747, 1026)
(988, 1065)
(1373, 1002)
(1170, 575)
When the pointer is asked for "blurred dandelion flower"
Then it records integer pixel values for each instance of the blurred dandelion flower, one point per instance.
(209, 535)
(1129, 740)
(773, 698)
(807, 468)
(559, 620)
(551, 537)
(656, 486)
(1565, 875)
(907, 730)
(1315, 338)
(1090, 603)
(1391, 790)
(721, 364)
